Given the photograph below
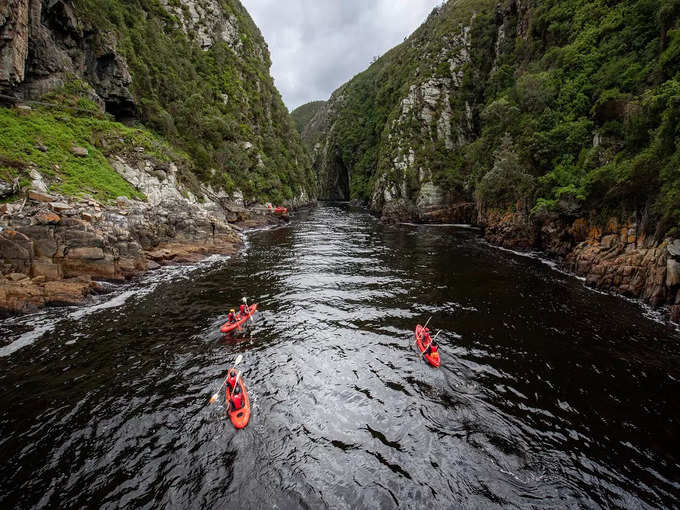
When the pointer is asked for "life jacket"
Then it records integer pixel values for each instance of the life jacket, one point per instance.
(244, 310)
(231, 317)
(231, 381)
(237, 401)
(434, 348)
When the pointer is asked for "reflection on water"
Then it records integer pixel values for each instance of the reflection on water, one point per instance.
(549, 395)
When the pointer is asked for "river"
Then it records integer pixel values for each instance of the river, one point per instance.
(550, 395)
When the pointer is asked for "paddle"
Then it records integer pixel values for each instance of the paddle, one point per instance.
(245, 300)
(214, 398)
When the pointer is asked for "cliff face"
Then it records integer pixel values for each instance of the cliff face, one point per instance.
(196, 72)
(203, 138)
(532, 118)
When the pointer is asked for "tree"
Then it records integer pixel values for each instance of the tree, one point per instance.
(506, 183)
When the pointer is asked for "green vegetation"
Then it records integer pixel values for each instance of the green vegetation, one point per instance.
(208, 102)
(56, 132)
(304, 114)
(581, 99)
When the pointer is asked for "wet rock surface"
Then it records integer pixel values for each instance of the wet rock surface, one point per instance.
(48, 258)
(618, 257)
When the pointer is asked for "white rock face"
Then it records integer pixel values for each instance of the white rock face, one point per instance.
(208, 21)
(163, 190)
(429, 196)
(37, 181)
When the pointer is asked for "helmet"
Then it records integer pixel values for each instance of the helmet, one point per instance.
(232, 310)
(232, 372)
(426, 329)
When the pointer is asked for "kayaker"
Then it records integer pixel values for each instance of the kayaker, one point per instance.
(231, 379)
(237, 398)
(243, 310)
(432, 348)
(231, 318)
(426, 336)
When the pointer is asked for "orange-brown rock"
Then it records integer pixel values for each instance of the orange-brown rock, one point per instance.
(72, 292)
(39, 196)
(48, 218)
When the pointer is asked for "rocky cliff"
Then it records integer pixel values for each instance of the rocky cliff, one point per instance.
(549, 123)
(194, 71)
(133, 134)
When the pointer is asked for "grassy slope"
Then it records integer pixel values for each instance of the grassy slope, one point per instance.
(58, 131)
(584, 67)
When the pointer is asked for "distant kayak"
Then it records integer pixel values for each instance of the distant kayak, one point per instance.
(434, 359)
(239, 417)
(241, 320)
(279, 209)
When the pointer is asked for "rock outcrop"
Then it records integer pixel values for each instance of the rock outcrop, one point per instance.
(53, 249)
(43, 45)
(618, 257)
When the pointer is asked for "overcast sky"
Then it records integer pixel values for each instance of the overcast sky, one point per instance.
(317, 45)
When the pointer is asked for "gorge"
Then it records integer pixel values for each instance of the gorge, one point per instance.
(509, 175)
(554, 125)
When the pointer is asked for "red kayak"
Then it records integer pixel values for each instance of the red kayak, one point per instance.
(239, 417)
(240, 321)
(433, 358)
(279, 209)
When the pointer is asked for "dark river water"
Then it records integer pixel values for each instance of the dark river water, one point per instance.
(550, 395)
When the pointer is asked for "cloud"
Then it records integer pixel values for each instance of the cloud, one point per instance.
(317, 45)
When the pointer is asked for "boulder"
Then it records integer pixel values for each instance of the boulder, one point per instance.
(104, 268)
(6, 189)
(81, 152)
(59, 206)
(39, 196)
(49, 218)
(16, 277)
(16, 297)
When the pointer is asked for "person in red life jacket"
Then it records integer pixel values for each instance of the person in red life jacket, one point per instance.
(231, 318)
(237, 398)
(231, 379)
(243, 311)
(426, 339)
(429, 345)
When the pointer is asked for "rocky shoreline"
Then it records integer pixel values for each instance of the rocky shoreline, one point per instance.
(55, 250)
(619, 257)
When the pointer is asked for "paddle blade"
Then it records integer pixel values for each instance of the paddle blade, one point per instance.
(214, 398)
(239, 358)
